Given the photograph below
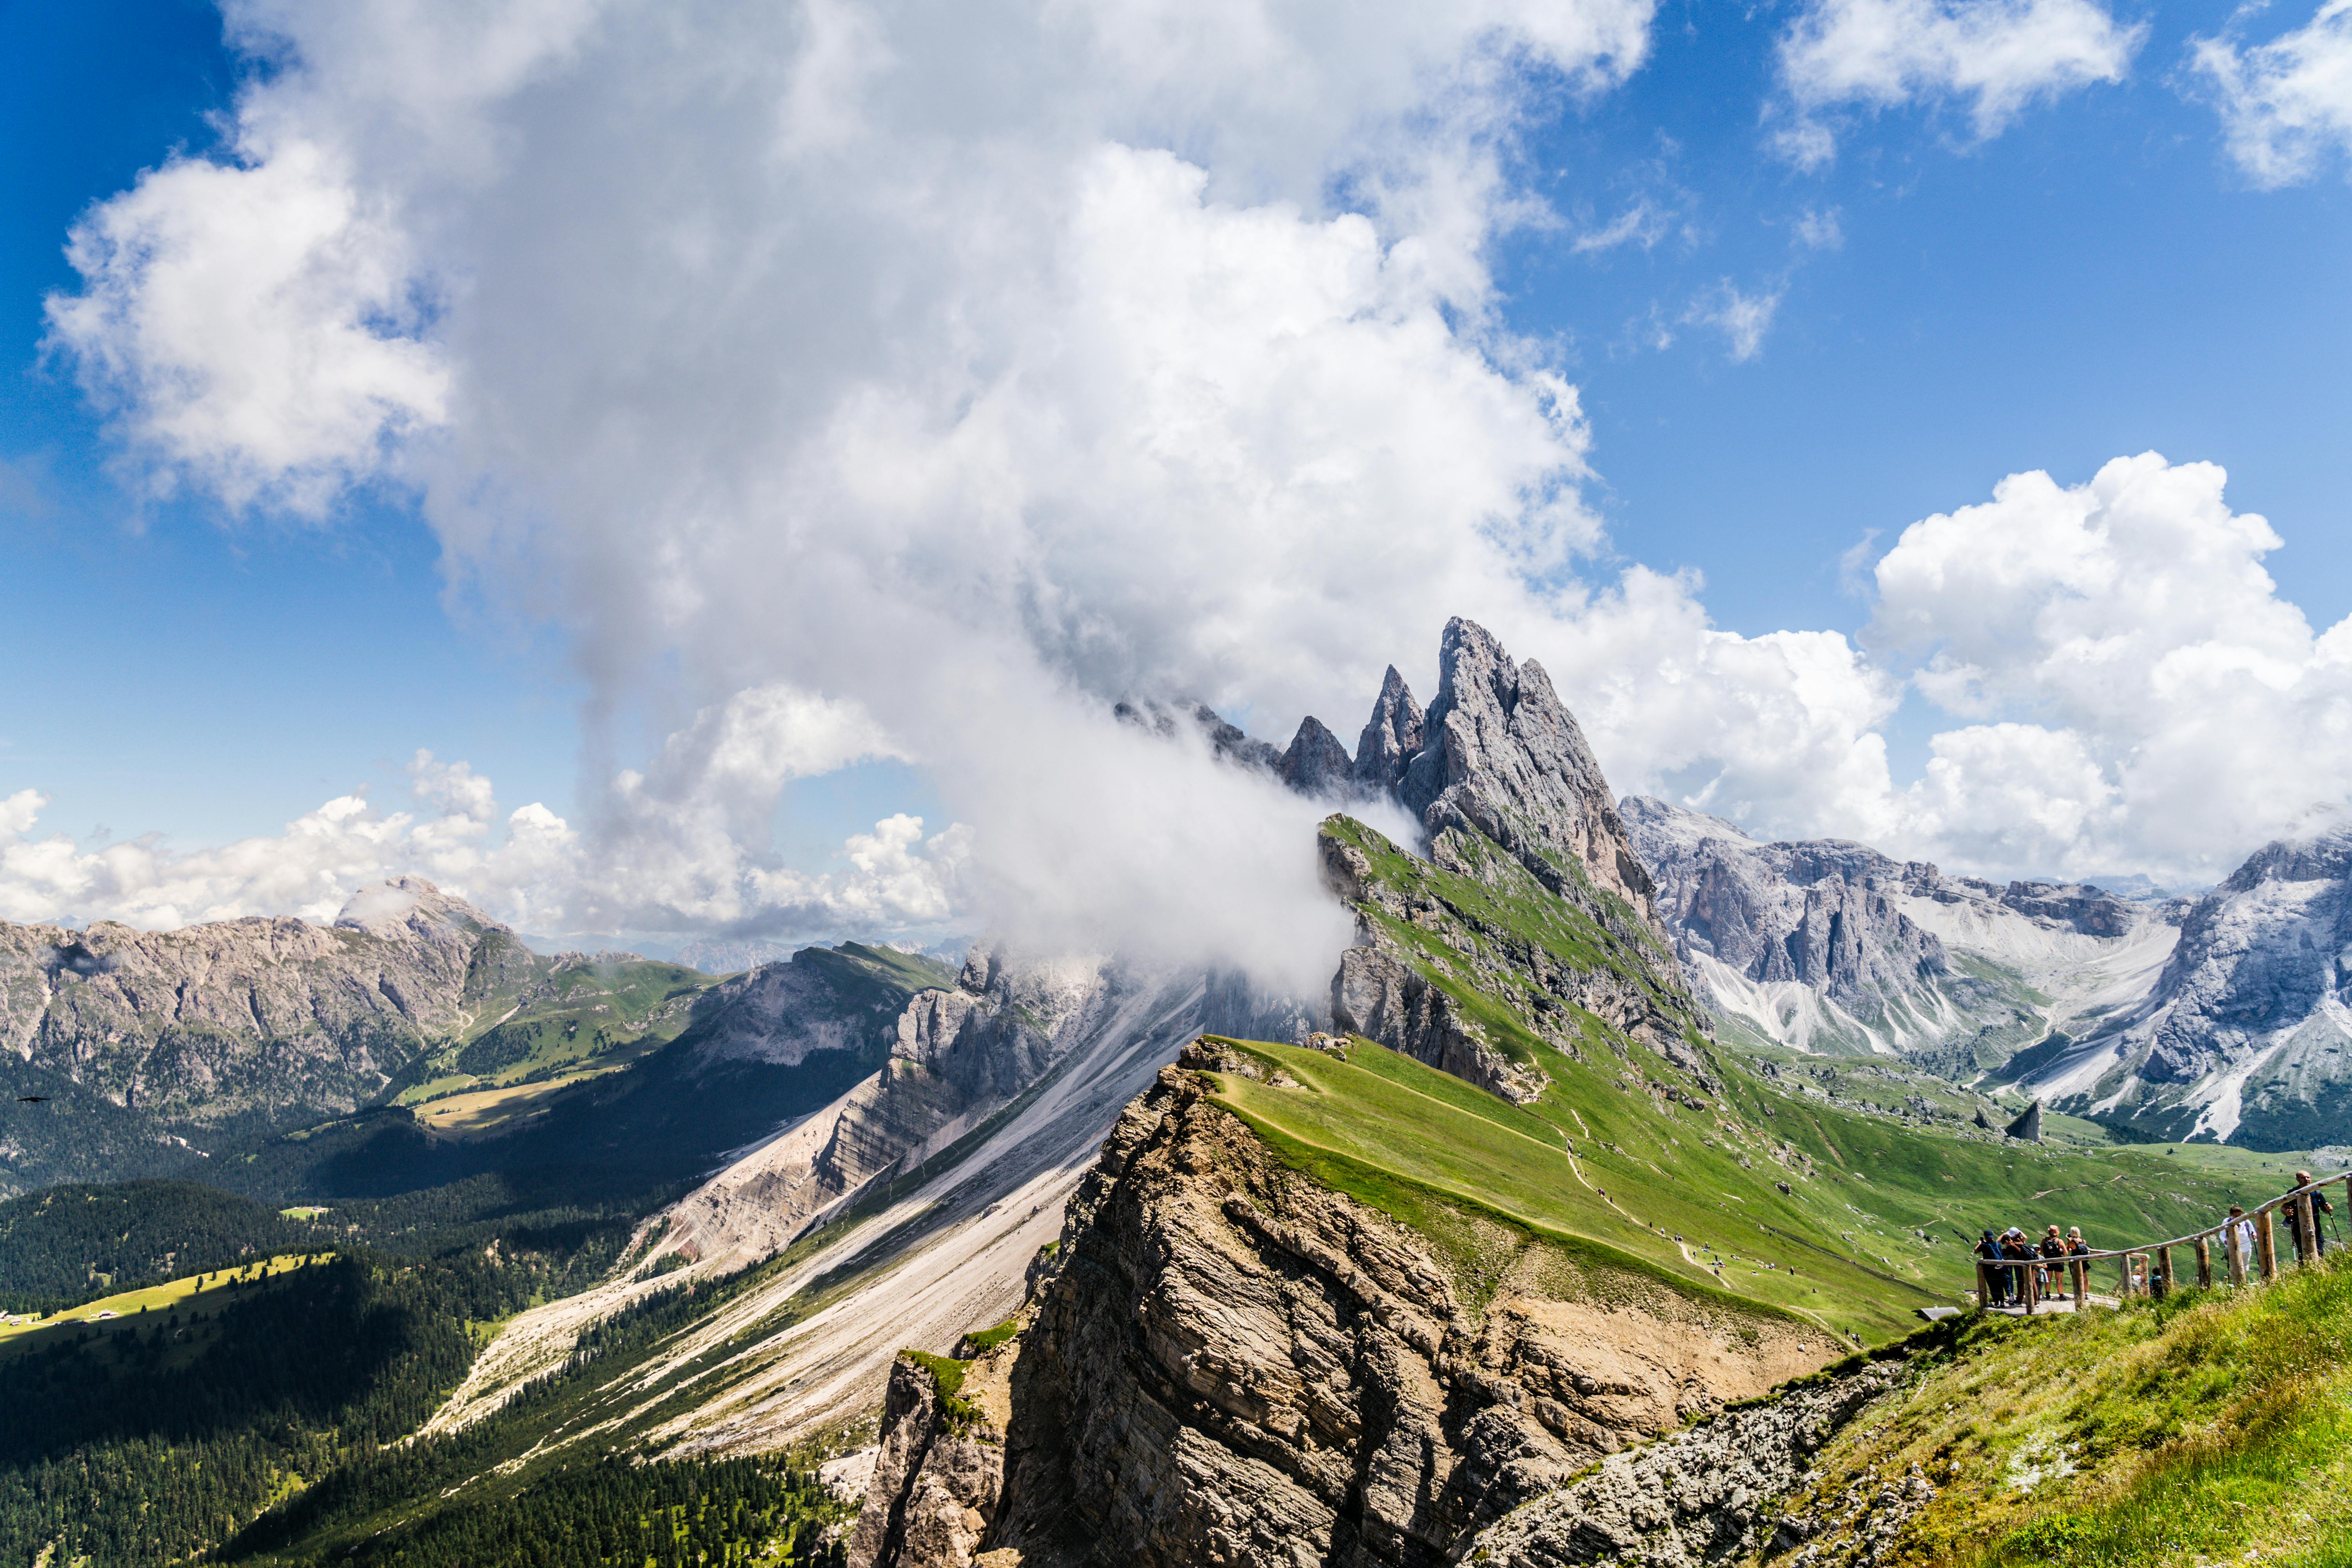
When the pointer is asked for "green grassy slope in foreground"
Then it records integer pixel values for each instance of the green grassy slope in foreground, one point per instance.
(1628, 1149)
(2212, 1427)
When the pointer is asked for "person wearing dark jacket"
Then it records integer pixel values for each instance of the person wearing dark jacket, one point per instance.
(2014, 1244)
(2320, 1206)
(1995, 1280)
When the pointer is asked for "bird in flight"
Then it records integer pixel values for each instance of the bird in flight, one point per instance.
(32, 1099)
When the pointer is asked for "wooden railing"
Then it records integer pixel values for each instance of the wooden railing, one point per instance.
(2248, 1248)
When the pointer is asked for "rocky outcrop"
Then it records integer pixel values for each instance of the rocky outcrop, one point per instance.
(1315, 763)
(1231, 1364)
(957, 1056)
(819, 999)
(1381, 995)
(954, 1055)
(1699, 1497)
(1505, 760)
(938, 1474)
(1392, 738)
(1472, 922)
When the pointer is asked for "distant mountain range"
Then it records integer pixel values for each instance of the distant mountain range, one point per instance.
(2222, 1017)
(194, 1051)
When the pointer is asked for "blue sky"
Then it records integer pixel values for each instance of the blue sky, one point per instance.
(2097, 277)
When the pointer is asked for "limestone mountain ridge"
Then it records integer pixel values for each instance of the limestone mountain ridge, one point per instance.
(2225, 1018)
(2246, 1034)
(162, 1051)
(1827, 945)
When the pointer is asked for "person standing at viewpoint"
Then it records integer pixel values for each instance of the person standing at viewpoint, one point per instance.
(2316, 1243)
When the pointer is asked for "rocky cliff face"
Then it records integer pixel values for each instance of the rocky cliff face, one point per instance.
(1829, 945)
(1232, 1364)
(957, 1057)
(954, 1056)
(817, 999)
(1505, 761)
(1530, 890)
(1433, 940)
(2246, 1035)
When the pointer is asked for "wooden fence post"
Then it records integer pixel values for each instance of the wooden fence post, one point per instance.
(2266, 1244)
(2163, 1277)
(2308, 1205)
(2204, 1265)
(2081, 1272)
(2233, 1242)
(2122, 1288)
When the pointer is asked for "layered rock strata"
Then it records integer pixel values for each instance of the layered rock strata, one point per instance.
(1228, 1364)
(214, 1021)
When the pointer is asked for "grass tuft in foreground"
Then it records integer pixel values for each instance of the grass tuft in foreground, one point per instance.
(2214, 1426)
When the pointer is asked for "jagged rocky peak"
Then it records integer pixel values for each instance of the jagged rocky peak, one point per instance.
(1225, 739)
(2247, 1034)
(1316, 763)
(1504, 758)
(1392, 737)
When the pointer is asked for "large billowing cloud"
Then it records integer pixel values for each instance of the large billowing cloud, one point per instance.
(2286, 105)
(2147, 697)
(851, 380)
(970, 364)
(1995, 55)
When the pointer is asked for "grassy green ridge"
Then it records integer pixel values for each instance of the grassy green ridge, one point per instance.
(2213, 1427)
(1501, 924)
(568, 1017)
(1881, 1207)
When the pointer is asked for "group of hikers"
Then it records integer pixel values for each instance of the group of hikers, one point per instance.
(2053, 1275)
(2047, 1257)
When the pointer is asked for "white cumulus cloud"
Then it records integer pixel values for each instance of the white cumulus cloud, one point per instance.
(1996, 56)
(535, 870)
(2130, 656)
(2286, 105)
